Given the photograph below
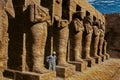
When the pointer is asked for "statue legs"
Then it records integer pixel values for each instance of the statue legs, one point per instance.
(78, 46)
(101, 45)
(88, 39)
(39, 34)
(62, 34)
(95, 51)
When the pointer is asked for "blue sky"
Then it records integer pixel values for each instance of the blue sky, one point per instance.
(106, 6)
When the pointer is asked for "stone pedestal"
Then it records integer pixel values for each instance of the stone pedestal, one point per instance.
(107, 56)
(90, 62)
(79, 66)
(103, 57)
(17, 75)
(65, 71)
(98, 60)
(1, 76)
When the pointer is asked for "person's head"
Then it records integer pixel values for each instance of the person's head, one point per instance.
(54, 53)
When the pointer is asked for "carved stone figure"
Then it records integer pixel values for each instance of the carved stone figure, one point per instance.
(76, 36)
(96, 34)
(101, 40)
(6, 10)
(62, 40)
(39, 17)
(105, 49)
(6, 7)
(88, 35)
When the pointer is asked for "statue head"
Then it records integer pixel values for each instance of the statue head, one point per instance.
(78, 15)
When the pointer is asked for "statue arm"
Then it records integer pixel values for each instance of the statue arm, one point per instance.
(9, 8)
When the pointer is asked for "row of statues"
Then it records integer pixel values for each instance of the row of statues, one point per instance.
(80, 32)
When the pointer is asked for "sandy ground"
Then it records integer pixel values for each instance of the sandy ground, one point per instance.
(108, 70)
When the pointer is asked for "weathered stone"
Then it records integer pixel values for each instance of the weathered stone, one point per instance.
(65, 71)
(88, 35)
(98, 59)
(76, 32)
(90, 62)
(17, 75)
(40, 18)
(104, 50)
(79, 66)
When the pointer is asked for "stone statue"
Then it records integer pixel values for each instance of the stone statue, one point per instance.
(101, 42)
(96, 34)
(88, 35)
(76, 36)
(62, 40)
(40, 18)
(105, 49)
(6, 10)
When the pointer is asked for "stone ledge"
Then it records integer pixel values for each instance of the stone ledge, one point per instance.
(90, 62)
(18, 75)
(79, 66)
(65, 71)
(98, 60)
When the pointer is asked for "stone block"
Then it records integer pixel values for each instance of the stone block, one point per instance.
(98, 60)
(90, 62)
(103, 58)
(107, 56)
(9, 73)
(65, 71)
(18, 75)
(79, 66)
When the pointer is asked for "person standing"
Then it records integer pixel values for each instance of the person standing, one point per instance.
(51, 59)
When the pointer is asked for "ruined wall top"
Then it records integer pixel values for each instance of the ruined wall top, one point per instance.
(88, 7)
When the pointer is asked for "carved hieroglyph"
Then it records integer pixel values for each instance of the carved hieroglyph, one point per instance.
(39, 17)
(88, 35)
(76, 37)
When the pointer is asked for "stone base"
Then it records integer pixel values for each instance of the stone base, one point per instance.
(97, 59)
(79, 66)
(65, 71)
(17, 75)
(107, 56)
(103, 58)
(1, 76)
(90, 62)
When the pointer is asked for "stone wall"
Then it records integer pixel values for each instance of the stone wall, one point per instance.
(113, 33)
